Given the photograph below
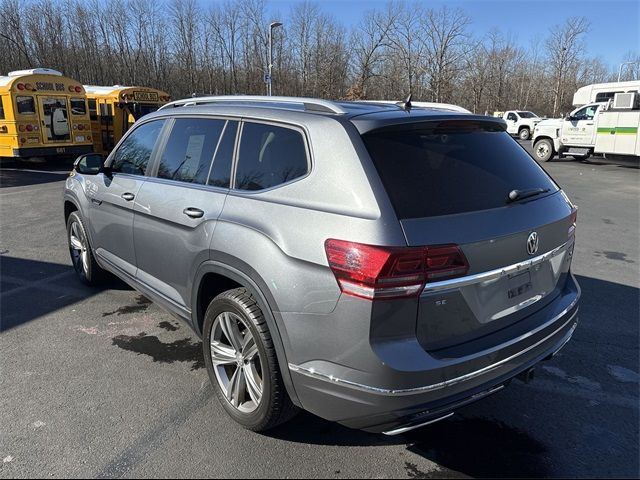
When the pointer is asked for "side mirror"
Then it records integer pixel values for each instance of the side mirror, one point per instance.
(89, 164)
(568, 118)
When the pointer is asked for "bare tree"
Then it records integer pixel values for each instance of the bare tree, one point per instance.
(564, 49)
(184, 46)
(446, 36)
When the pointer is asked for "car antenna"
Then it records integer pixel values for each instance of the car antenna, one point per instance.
(406, 105)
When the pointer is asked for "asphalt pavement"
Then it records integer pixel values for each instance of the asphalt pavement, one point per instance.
(98, 382)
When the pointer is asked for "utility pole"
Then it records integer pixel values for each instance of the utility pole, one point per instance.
(272, 25)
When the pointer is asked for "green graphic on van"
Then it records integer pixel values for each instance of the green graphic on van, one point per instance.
(618, 130)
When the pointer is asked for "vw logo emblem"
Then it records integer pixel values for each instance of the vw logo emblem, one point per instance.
(532, 243)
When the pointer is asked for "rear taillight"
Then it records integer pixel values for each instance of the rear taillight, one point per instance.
(373, 272)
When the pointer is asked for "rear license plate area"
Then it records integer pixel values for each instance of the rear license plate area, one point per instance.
(519, 284)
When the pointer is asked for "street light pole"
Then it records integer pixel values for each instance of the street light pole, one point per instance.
(272, 25)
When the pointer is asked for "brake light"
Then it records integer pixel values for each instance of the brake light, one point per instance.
(20, 86)
(21, 128)
(80, 127)
(373, 272)
(29, 128)
(78, 89)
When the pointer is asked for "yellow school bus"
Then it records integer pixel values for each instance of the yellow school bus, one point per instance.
(43, 113)
(114, 109)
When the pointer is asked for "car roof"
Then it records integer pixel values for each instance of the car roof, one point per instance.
(366, 116)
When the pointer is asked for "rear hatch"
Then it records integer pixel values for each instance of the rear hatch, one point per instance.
(468, 183)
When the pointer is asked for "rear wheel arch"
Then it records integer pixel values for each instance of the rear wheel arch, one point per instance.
(213, 278)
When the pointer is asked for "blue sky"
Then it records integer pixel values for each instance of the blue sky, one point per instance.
(614, 23)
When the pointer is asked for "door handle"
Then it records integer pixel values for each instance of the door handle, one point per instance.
(193, 212)
(589, 123)
(97, 202)
(128, 196)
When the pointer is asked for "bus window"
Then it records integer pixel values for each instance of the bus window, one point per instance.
(93, 109)
(1, 109)
(78, 106)
(26, 105)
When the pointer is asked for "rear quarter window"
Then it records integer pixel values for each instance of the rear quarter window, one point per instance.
(269, 156)
(450, 168)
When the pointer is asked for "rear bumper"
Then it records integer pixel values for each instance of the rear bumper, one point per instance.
(51, 151)
(336, 392)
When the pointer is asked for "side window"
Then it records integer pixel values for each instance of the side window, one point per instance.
(604, 96)
(190, 148)
(221, 170)
(1, 108)
(93, 109)
(586, 113)
(26, 105)
(132, 156)
(269, 156)
(512, 116)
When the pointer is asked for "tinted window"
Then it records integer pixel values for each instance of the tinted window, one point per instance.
(527, 115)
(221, 170)
(26, 105)
(132, 156)
(1, 109)
(190, 148)
(451, 167)
(512, 116)
(78, 106)
(269, 156)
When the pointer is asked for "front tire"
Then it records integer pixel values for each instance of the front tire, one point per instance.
(82, 258)
(524, 134)
(543, 150)
(242, 364)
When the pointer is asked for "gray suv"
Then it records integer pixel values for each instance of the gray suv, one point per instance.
(376, 265)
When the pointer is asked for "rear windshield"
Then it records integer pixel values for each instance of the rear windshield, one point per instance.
(451, 167)
(527, 114)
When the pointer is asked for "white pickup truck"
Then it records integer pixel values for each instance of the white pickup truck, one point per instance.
(520, 123)
(609, 128)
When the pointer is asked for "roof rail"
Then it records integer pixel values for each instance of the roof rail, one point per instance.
(309, 104)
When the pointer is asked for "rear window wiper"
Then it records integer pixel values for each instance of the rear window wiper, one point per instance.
(515, 195)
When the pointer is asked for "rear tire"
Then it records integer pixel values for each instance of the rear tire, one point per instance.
(543, 150)
(524, 134)
(82, 258)
(242, 363)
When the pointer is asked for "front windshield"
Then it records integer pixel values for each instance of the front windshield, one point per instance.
(527, 115)
(139, 110)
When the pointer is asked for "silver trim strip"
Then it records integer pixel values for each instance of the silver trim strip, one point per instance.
(312, 373)
(400, 430)
(492, 274)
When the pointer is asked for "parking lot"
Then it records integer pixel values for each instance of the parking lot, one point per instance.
(102, 383)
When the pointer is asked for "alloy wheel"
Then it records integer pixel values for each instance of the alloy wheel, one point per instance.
(78, 247)
(237, 362)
